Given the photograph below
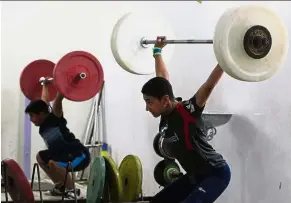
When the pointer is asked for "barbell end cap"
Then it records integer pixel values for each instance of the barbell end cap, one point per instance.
(143, 43)
(41, 79)
(82, 75)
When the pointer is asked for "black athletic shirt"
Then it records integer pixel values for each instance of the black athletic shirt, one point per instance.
(184, 139)
(58, 137)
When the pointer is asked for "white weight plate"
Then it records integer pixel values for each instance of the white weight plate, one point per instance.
(113, 43)
(127, 35)
(222, 24)
(229, 49)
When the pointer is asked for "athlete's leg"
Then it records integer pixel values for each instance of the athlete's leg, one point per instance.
(78, 162)
(176, 192)
(60, 173)
(209, 189)
(43, 157)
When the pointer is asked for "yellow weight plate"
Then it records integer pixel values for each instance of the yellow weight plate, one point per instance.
(130, 171)
(113, 184)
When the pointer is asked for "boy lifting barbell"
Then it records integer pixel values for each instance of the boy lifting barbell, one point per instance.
(207, 173)
(62, 145)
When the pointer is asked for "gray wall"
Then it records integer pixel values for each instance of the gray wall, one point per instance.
(256, 142)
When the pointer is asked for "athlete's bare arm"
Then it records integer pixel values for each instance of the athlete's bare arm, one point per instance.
(161, 70)
(205, 90)
(45, 93)
(57, 106)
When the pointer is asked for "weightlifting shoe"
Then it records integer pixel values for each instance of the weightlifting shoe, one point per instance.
(57, 190)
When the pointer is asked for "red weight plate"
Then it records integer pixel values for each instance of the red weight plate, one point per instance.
(29, 79)
(18, 186)
(69, 68)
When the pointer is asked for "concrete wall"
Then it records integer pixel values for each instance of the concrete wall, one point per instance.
(255, 142)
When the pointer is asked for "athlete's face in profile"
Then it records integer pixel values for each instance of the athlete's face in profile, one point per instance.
(36, 119)
(156, 106)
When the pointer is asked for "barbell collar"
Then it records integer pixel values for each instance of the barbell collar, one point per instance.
(175, 174)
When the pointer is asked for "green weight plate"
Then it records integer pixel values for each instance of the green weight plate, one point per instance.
(113, 190)
(159, 173)
(170, 168)
(96, 181)
(130, 171)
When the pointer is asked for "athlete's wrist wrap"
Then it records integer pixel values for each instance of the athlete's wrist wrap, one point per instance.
(157, 51)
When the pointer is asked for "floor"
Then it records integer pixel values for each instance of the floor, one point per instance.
(49, 198)
(52, 199)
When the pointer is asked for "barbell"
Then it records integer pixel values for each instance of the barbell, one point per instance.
(250, 42)
(78, 76)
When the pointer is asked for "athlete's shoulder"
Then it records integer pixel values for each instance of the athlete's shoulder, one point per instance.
(191, 106)
(188, 105)
(58, 118)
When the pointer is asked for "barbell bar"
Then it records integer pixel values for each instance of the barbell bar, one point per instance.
(75, 80)
(258, 41)
(185, 41)
(78, 76)
(250, 42)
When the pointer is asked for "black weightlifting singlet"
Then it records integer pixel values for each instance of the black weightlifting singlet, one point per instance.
(184, 139)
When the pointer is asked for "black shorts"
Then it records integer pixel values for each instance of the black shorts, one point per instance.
(79, 162)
